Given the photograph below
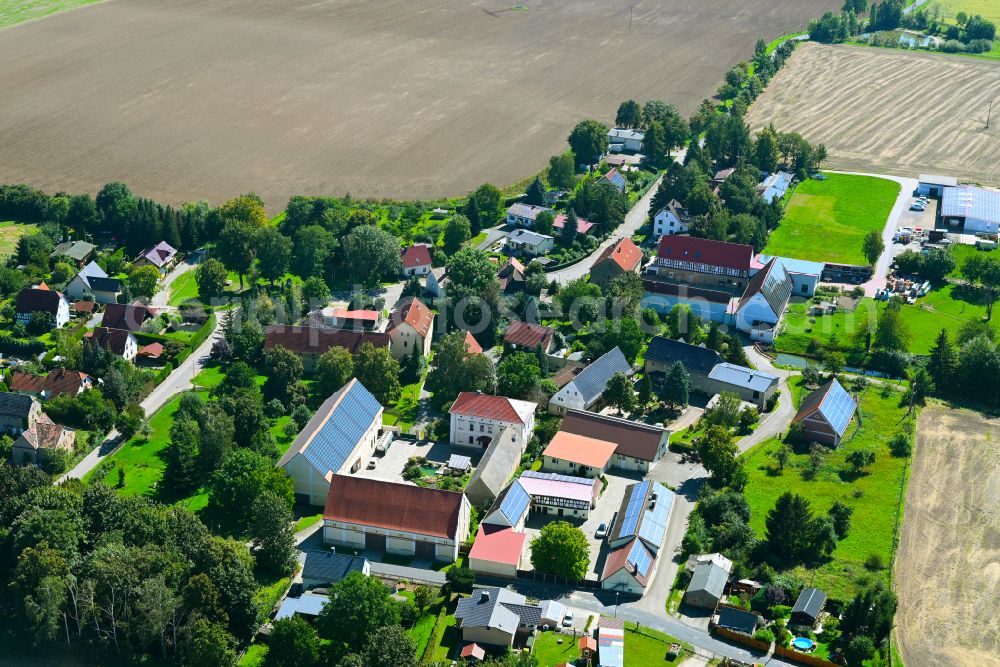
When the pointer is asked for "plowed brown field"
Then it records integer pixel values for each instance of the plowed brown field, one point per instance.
(947, 569)
(185, 99)
(889, 111)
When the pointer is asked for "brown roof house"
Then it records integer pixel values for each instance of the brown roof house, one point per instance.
(826, 413)
(339, 438)
(161, 255)
(615, 260)
(56, 383)
(129, 317)
(416, 260)
(39, 439)
(118, 341)
(311, 342)
(41, 299)
(511, 276)
(529, 337)
(17, 412)
(396, 518)
(411, 327)
(637, 446)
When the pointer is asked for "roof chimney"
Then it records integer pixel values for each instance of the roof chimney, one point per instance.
(484, 597)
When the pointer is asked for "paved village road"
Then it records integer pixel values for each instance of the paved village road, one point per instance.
(179, 380)
(634, 219)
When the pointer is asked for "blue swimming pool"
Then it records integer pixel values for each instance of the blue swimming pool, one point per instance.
(803, 644)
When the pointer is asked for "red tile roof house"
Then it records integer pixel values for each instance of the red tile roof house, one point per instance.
(582, 226)
(119, 341)
(41, 437)
(41, 299)
(56, 383)
(619, 258)
(475, 418)
(411, 327)
(572, 454)
(396, 518)
(511, 276)
(355, 320)
(472, 345)
(704, 263)
(161, 255)
(826, 413)
(529, 337)
(498, 551)
(416, 260)
(311, 342)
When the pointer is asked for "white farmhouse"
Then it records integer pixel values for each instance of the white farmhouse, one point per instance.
(585, 390)
(476, 417)
(671, 219)
(337, 440)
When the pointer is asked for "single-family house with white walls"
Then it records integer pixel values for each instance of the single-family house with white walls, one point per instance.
(339, 438)
(436, 281)
(764, 301)
(586, 389)
(119, 341)
(411, 327)
(523, 215)
(475, 418)
(416, 260)
(529, 243)
(671, 219)
(92, 281)
(624, 140)
(41, 299)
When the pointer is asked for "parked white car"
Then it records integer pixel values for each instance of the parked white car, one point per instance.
(568, 619)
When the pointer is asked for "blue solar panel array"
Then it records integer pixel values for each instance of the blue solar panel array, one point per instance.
(514, 503)
(654, 522)
(838, 407)
(640, 558)
(556, 477)
(343, 429)
(634, 509)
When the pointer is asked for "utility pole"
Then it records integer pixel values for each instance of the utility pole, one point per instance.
(630, 6)
(989, 112)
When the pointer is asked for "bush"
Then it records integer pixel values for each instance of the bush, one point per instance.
(952, 46)
(875, 563)
(764, 635)
(900, 445)
(274, 409)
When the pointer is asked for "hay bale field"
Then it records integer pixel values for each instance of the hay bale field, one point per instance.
(889, 111)
(947, 571)
(190, 99)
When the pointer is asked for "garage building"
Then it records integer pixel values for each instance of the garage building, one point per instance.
(976, 210)
(395, 518)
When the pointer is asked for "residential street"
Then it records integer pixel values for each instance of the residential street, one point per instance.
(775, 423)
(162, 298)
(634, 219)
(179, 380)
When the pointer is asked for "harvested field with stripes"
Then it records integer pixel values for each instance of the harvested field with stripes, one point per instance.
(889, 111)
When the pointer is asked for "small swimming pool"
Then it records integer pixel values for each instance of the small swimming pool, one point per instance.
(803, 644)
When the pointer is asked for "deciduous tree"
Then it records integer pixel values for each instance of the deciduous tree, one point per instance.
(561, 549)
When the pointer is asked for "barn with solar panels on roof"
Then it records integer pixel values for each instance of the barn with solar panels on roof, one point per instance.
(826, 413)
(337, 440)
(636, 537)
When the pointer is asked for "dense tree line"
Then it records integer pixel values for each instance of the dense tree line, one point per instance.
(108, 575)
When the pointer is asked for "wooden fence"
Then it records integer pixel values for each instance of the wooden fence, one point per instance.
(788, 654)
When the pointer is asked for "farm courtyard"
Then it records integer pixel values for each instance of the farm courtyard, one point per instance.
(947, 570)
(186, 100)
(888, 111)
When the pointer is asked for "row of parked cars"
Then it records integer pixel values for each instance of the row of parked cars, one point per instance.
(920, 203)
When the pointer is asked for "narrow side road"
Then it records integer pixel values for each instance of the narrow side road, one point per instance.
(179, 380)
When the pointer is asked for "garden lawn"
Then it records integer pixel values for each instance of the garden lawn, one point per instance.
(988, 9)
(448, 641)
(18, 11)
(875, 496)
(645, 646)
(962, 252)
(948, 307)
(421, 631)
(184, 287)
(826, 221)
(550, 652)
(254, 656)
(11, 232)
